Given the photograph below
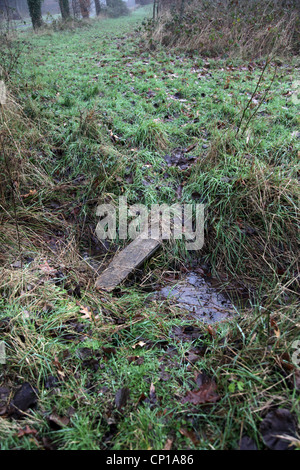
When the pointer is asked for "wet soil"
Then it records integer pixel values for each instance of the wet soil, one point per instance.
(196, 295)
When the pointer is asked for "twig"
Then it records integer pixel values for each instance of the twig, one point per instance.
(261, 101)
(252, 96)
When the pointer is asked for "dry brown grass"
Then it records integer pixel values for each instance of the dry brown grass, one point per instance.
(241, 28)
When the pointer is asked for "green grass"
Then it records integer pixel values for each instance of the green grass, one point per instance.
(103, 110)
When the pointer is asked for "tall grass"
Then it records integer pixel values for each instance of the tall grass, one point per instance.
(78, 144)
(240, 28)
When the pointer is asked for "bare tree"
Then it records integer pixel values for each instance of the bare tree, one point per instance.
(182, 7)
(85, 8)
(75, 8)
(64, 8)
(98, 7)
(35, 10)
(10, 9)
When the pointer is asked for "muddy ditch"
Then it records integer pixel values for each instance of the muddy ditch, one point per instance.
(199, 295)
(196, 295)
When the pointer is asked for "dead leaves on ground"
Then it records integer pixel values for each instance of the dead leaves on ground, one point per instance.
(46, 268)
(279, 430)
(122, 397)
(206, 393)
(88, 314)
(57, 421)
(179, 159)
(27, 431)
(247, 443)
(25, 398)
(168, 444)
(191, 435)
(137, 360)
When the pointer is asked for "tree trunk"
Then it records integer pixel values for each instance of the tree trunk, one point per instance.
(35, 10)
(65, 9)
(182, 7)
(75, 8)
(98, 7)
(85, 8)
(156, 5)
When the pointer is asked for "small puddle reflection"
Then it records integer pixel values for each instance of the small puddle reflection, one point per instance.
(196, 295)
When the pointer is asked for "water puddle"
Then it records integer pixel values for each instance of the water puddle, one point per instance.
(196, 295)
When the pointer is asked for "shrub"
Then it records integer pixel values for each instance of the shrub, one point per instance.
(116, 8)
(233, 27)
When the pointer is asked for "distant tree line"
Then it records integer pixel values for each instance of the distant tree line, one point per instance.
(15, 9)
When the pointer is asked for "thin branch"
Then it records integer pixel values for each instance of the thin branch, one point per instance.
(252, 96)
(261, 101)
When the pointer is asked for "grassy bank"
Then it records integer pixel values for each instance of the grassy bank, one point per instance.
(96, 112)
(238, 28)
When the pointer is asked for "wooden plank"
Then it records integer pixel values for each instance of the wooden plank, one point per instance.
(126, 261)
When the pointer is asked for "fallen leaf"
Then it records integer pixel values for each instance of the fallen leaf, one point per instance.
(247, 443)
(108, 350)
(190, 435)
(121, 397)
(86, 313)
(138, 360)
(275, 327)
(285, 362)
(58, 421)
(180, 159)
(25, 397)
(26, 431)
(205, 394)
(141, 399)
(168, 444)
(275, 426)
(44, 267)
(211, 331)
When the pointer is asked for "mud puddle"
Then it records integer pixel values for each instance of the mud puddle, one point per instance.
(196, 295)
